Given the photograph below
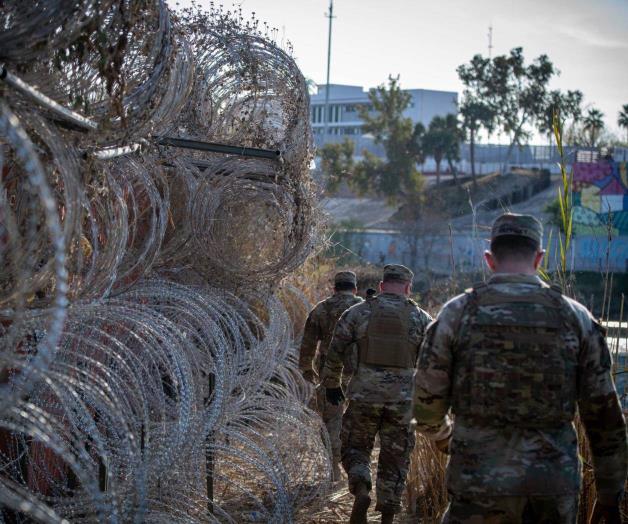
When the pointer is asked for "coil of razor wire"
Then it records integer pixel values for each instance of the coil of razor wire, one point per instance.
(146, 350)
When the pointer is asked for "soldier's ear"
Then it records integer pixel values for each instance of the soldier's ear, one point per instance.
(538, 258)
(490, 260)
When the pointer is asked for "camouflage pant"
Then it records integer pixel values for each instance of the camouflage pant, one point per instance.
(512, 510)
(332, 417)
(361, 422)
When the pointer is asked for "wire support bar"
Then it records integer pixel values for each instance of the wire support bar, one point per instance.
(39, 98)
(114, 152)
(218, 148)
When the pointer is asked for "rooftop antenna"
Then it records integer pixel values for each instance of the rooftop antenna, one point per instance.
(331, 16)
(490, 40)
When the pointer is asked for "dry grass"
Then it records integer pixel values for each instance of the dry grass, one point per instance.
(588, 492)
(426, 492)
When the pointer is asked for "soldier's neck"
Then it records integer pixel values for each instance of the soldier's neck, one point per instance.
(393, 293)
(515, 269)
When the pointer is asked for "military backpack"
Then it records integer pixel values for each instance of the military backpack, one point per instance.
(513, 364)
(387, 340)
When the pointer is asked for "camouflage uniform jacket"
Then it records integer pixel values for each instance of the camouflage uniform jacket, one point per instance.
(370, 383)
(320, 324)
(494, 460)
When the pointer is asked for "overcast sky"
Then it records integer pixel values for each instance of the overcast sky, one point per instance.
(424, 41)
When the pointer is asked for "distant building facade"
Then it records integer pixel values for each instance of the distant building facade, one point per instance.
(343, 116)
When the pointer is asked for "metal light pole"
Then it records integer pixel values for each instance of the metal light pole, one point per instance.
(490, 40)
(330, 15)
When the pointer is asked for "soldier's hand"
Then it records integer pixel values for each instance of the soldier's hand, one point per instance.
(309, 375)
(605, 513)
(443, 445)
(334, 395)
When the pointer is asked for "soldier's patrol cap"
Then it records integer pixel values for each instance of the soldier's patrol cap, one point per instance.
(512, 224)
(397, 272)
(346, 277)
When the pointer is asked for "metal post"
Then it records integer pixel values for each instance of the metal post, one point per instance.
(211, 147)
(209, 456)
(102, 465)
(102, 474)
(326, 115)
(71, 117)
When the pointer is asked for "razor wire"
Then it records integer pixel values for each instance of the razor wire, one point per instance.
(147, 352)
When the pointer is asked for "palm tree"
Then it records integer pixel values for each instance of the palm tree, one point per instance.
(435, 142)
(455, 136)
(593, 124)
(417, 146)
(622, 120)
(442, 142)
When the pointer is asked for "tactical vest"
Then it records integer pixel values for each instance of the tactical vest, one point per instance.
(387, 340)
(513, 363)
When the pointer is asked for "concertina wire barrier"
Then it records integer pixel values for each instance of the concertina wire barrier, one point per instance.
(147, 363)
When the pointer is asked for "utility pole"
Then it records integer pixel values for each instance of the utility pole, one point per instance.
(490, 41)
(329, 15)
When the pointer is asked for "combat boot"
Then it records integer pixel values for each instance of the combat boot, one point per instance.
(388, 517)
(360, 505)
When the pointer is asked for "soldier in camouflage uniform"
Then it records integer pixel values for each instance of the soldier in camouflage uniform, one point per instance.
(388, 330)
(319, 329)
(513, 359)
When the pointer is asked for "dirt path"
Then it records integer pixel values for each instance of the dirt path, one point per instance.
(337, 508)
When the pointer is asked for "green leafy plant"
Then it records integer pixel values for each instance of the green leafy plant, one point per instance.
(565, 206)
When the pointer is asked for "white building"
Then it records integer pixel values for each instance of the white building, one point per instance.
(344, 121)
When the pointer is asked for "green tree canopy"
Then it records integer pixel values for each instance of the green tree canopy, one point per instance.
(395, 178)
(569, 108)
(336, 163)
(514, 93)
(475, 116)
(476, 109)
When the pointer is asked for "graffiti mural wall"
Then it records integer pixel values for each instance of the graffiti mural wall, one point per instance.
(600, 192)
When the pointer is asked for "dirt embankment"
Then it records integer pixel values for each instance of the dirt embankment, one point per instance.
(489, 192)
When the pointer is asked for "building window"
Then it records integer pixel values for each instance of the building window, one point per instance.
(314, 114)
